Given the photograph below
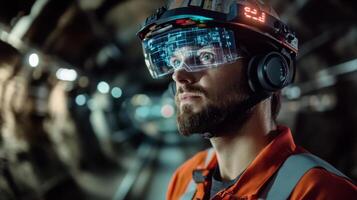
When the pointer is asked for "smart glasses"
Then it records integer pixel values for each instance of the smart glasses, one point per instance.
(192, 49)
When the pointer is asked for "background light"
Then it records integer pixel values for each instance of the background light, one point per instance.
(81, 100)
(293, 92)
(103, 87)
(34, 60)
(66, 74)
(116, 92)
(140, 100)
(142, 112)
(167, 111)
(83, 81)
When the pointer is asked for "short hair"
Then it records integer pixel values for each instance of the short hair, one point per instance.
(275, 105)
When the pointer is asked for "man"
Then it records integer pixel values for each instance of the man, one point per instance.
(229, 60)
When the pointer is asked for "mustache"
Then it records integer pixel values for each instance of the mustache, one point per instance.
(192, 89)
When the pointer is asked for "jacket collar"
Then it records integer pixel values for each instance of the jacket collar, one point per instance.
(263, 166)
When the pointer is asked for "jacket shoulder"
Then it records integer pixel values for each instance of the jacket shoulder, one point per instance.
(183, 175)
(320, 184)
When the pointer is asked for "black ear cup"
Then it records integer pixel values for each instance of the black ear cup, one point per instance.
(269, 73)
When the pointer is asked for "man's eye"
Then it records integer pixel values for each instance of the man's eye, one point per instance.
(207, 58)
(175, 63)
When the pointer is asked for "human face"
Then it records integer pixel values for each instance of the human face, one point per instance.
(208, 100)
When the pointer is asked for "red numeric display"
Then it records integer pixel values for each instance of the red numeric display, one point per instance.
(254, 14)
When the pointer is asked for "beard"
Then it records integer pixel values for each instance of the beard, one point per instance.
(223, 114)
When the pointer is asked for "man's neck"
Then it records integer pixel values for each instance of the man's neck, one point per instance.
(236, 151)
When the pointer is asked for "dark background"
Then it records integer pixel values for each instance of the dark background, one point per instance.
(88, 122)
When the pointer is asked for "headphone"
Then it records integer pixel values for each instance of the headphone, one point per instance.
(270, 72)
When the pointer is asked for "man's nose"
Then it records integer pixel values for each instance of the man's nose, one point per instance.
(182, 76)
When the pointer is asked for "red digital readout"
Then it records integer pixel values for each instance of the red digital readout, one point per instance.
(254, 14)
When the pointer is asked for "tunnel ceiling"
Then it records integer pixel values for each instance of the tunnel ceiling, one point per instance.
(98, 37)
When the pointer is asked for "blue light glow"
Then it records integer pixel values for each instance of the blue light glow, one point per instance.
(103, 87)
(81, 100)
(142, 112)
(117, 92)
(193, 17)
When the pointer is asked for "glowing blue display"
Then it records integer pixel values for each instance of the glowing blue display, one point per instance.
(193, 49)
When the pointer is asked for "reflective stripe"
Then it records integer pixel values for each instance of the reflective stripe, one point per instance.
(289, 174)
(209, 156)
(190, 191)
(191, 188)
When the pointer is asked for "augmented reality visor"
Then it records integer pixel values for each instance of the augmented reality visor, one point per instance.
(192, 49)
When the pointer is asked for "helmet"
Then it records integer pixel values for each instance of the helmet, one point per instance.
(223, 6)
(216, 24)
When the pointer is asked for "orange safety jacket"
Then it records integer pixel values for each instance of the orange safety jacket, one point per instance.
(316, 183)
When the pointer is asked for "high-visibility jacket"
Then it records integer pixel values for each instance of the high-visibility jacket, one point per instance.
(316, 183)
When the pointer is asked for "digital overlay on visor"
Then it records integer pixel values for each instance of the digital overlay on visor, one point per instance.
(192, 49)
